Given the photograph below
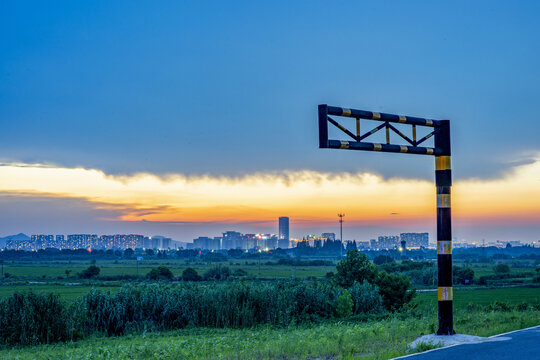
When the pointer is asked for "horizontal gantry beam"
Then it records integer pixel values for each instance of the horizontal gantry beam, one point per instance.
(356, 142)
(370, 115)
(367, 146)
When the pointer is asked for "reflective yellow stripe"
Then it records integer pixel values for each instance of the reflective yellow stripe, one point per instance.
(429, 122)
(377, 147)
(445, 293)
(403, 148)
(443, 163)
(376, 116)
(444, 247)
(344, 145)
(341, 127)
(346, 112)
(402, 119)
(443, 200)
(429, 151)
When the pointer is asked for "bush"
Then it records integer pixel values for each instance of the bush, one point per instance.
(366, 298)
(213, 257)
(463, 275)
(501, 269)
(240, 272)
(394, 289)
(90, 272)
(190, 274)
(217, 273)
(344, 305)
(160, 273)
(382, 259)
(355, 267)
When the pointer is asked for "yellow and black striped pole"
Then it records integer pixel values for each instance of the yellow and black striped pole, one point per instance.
(443, 181)
(443, 178)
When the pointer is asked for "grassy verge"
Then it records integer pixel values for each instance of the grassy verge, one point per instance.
(371, 340)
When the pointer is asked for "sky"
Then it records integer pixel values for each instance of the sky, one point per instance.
(192, 118)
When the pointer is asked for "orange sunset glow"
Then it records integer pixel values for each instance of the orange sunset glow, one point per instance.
(306, 195)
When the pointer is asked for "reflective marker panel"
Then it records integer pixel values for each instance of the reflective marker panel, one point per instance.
(443, 163)
(443, 200)
(444, 248)
(445, 293)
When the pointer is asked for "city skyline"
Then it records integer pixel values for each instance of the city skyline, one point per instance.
(153, 119)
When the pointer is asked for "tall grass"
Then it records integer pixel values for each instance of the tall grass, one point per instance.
(32, 318)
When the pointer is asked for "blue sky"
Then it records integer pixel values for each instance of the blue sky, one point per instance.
(232, 88)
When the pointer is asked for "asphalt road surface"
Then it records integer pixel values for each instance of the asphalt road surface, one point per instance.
(516, 345)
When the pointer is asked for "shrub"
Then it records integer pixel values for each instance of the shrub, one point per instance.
(90, 272)
(217, 273)
(160, 273)
(214, 257)
(394, 289)
(366, 298)
(355, 267)
(190, 274)
(382, 259)
(463, 275)
(501, 269)
(240, 272)
(344, 304)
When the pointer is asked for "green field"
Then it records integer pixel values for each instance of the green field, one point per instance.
(482, 297)
(369, 339)
(53, 269)
(380, 337)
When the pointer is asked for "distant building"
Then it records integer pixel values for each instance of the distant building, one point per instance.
(329, 236)
(43, 241)
(283, 233)
(362, 245)
(403, 245)
(202, 242)
(387, 242)
(82, 241)
(61, 242)
(232, 240)
(415, 240)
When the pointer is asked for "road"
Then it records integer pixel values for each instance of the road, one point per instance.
(516, 345)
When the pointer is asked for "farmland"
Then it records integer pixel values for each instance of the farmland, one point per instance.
(372, 338)
(479, 310)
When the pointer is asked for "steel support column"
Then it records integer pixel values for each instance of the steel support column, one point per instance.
(443, 181)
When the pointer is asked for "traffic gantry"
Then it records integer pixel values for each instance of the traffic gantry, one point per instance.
(440, 131)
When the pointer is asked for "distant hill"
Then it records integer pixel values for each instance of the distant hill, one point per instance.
(18, 237)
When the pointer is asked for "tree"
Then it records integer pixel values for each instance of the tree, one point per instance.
(501, 269)
(128, 253)
(190, 274)
(382, 259)
(355, 267)
(90, 272)
(394, 289)
(160, 273)
(217, 273)
(463, 275)
(344, 304)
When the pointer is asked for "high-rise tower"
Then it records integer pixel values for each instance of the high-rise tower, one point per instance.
(283, 240)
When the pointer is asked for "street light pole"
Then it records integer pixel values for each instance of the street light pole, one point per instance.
(341, 235)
